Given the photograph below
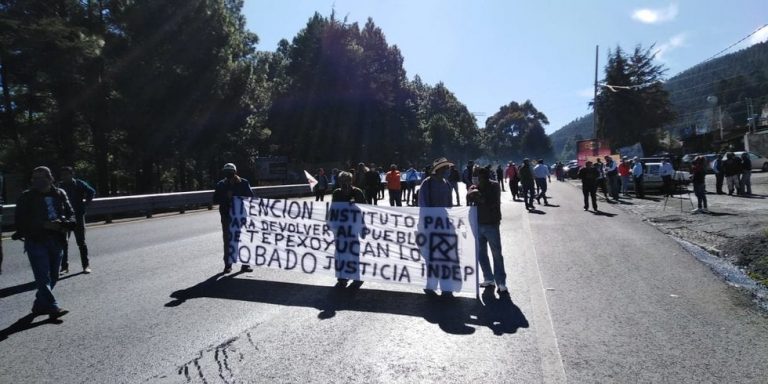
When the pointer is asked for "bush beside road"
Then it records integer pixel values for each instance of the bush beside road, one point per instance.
(735, 230)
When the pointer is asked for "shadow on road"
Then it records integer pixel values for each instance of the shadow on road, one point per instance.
(603, 213)
(455, 315)
(16, 289)
(25, 323)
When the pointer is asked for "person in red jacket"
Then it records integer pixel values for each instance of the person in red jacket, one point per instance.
(512, 175)
(624, 173)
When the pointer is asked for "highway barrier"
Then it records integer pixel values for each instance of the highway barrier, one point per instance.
(106, 208)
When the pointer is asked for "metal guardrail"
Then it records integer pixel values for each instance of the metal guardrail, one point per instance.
(146, 205)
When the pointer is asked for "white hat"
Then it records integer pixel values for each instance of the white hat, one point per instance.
(440, 163)
(229, 167)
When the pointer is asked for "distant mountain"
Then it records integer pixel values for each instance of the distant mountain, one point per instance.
(737, 80)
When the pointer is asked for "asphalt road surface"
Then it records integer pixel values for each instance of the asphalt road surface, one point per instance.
(594, 298)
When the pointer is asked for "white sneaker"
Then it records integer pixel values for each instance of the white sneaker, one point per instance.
(502, 288)
(697, 210)
(487, 283)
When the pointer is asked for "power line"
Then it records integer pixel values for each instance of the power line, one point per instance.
(736, 43)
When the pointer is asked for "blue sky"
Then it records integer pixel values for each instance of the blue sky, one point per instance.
(491, 52)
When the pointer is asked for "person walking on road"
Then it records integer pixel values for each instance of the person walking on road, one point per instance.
(228, 187)
(637, 178)
(589, 180)
(527, 181)
(43, 218)
(372, 184)
(541, 174)
(745, 183)
(80, 195)
(411, 178)
(699, 170)
(514, 180)
(394, 186)
(487, 197)
(322, 185)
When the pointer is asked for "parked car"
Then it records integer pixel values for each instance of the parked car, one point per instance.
(652, 177)
(571, 169)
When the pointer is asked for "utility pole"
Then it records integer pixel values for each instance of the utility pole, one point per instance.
(750, 114)
(594, 101)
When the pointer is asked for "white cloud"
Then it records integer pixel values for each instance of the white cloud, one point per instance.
(673, 43)
(658, 15)
(760, 36)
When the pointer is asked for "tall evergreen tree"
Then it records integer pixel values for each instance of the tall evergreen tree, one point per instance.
(633, 104)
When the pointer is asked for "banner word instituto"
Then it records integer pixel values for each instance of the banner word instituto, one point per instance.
(427, 247)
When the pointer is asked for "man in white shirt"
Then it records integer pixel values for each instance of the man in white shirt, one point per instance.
(666, 173)
(612, 174)
(637, 178)
(541, 175)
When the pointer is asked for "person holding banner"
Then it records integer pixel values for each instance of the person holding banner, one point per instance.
(435, 192)
(487, 197)
(231, 185)
(347, 193)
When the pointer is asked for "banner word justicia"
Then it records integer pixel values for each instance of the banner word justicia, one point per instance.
(427, 247)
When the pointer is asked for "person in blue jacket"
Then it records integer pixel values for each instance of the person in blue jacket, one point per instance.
(231, 185)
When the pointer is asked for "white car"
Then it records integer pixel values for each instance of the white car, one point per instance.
(652, 177)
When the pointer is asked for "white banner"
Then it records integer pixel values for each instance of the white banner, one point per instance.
(426, 247)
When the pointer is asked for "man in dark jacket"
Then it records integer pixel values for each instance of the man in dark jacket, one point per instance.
(487, 197)
(80, 195)
(588, 176)
(717, 167)
(372, 185)
(231, 185)
(732, 169)
(43, 217)
(527, 181)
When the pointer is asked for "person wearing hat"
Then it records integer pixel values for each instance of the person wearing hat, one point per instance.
(231, 185)
(43, 218)
(435, 191)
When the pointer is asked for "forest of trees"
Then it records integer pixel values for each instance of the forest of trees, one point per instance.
(149, 96)
(737, 80)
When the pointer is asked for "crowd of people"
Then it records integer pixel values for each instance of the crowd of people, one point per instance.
(48, 213)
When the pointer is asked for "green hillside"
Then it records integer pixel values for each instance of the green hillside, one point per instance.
(737, 80)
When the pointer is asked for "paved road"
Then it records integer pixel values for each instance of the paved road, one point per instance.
(594, 298)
